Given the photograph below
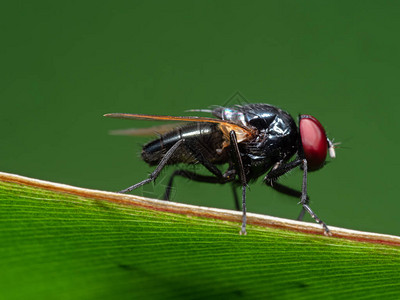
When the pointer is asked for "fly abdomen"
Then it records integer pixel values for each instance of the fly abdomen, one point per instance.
(205, 138)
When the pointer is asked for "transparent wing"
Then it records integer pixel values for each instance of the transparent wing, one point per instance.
(242, 133)
(149, 131)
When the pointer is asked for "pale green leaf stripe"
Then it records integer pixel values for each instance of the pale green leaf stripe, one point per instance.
(60, 246)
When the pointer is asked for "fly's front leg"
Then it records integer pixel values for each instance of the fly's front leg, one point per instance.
(290, 192)
(303, 200)
(157, 171)
(278, 170)
(281, 169)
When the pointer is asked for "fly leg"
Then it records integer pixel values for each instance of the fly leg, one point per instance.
(284, 168)
(158, 169)
(195, 177)
(279, 170)
(195, 149)
(201, 178)
(290, 192)
(235, 196)
(304, 200)
(242, 176)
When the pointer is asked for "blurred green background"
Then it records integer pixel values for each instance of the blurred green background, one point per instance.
(65, 64)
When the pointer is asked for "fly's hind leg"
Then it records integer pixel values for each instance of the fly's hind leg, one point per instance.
(196, 149)
(202, 178)
(158, 169)
(192, 176)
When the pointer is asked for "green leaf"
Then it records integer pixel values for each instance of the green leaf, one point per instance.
(58, 245)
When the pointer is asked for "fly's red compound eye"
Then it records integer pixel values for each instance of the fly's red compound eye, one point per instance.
(314, 141)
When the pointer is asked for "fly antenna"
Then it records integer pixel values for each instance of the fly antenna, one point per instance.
(331, 147)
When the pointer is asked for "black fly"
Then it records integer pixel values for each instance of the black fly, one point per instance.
(252, 139)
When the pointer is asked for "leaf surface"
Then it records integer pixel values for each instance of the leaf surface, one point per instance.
(61, 246)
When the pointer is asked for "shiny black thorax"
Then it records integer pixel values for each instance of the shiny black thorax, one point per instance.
(276, 139)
